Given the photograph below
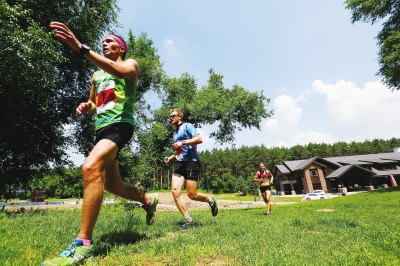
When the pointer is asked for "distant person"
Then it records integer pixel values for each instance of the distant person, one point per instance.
(112, 98)
(265, 178)
(187, 167)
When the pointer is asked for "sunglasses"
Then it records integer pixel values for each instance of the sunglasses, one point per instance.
(172, 116)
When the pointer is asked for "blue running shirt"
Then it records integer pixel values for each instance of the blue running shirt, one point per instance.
(185, 153)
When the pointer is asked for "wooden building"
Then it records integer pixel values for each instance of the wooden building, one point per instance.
(338, 174)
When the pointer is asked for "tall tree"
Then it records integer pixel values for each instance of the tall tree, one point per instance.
(42, 82)
(231, 109)
(388, 38)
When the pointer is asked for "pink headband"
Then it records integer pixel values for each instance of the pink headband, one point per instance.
(119, 40)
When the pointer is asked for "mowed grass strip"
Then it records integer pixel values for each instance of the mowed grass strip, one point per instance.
(360, 229)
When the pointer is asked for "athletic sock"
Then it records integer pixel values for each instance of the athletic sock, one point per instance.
(188, 219)
(86, 242)
(211, 201)
(148, 203)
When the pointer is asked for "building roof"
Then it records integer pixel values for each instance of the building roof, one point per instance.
(303, 164)
(395, 156)
(355, 162)
(366, 159)
(342, 170)
(292, 164)
(283, 169)
(377, 161)
(386, 172)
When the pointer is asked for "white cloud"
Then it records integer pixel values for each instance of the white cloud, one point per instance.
(204, 136)
(170, 46)
(349, 113)
(284, 127)
(360, 113)
(287, 114)
(281, 90)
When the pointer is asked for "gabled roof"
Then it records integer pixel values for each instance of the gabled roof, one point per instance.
(344, 169)
(386, 172)
(366, 159)
(283, 169)
(292, 164)
(355, 162)
(378, 160)
(303, 164)
(395, 156)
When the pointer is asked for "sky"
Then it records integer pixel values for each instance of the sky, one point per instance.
(318, 69)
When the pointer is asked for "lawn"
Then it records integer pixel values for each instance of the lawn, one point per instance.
(360, 229)
(274, 198)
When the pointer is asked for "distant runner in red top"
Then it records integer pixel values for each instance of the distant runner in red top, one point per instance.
(265, 178)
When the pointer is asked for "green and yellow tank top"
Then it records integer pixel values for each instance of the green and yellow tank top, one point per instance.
(115, 99)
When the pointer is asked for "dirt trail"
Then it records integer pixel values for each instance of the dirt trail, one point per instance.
(167, 203)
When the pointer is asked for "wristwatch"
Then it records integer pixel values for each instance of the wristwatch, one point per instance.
(184, 143)
(84, 49)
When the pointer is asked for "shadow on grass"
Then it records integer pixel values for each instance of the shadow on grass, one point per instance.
(17, 211)
(124, 237)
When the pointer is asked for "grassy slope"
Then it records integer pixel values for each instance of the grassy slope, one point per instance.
(359, 229)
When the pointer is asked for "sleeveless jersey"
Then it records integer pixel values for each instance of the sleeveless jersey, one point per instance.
(264, 176)
(185, 153)
(115, 99)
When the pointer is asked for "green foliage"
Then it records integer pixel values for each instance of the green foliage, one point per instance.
(61, 183)
(126, 164)
(354, 230)
(42, 80)
(241, 186)
(150, 157)
(388, 38)
(220, 168)
(252, 186)
(231, 108)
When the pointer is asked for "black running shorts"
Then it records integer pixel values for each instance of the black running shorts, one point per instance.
(189, 170)
(119, 133)
(263, 189)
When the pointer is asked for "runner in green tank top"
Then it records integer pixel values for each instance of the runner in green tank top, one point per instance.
(112, 98)
(115, 100)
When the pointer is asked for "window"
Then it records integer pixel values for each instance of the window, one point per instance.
(317, 186)
(313, 172)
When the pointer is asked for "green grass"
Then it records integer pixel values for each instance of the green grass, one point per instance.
(235, 197)
(360, 229)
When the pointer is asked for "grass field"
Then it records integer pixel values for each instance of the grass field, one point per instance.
(360, 229)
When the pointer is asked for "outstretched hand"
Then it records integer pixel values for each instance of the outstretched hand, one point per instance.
(83, 108)
(63, 33)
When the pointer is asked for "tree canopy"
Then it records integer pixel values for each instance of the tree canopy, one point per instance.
(42, 81)
(388, 38)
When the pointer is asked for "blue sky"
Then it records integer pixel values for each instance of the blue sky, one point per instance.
(318, 69)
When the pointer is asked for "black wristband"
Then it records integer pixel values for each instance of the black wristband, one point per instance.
(184, 143)
(84, 49)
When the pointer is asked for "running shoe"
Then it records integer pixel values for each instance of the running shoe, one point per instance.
(214, 207)
(73, 254)
(187, 225)
(268, 214)
(151, 210)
